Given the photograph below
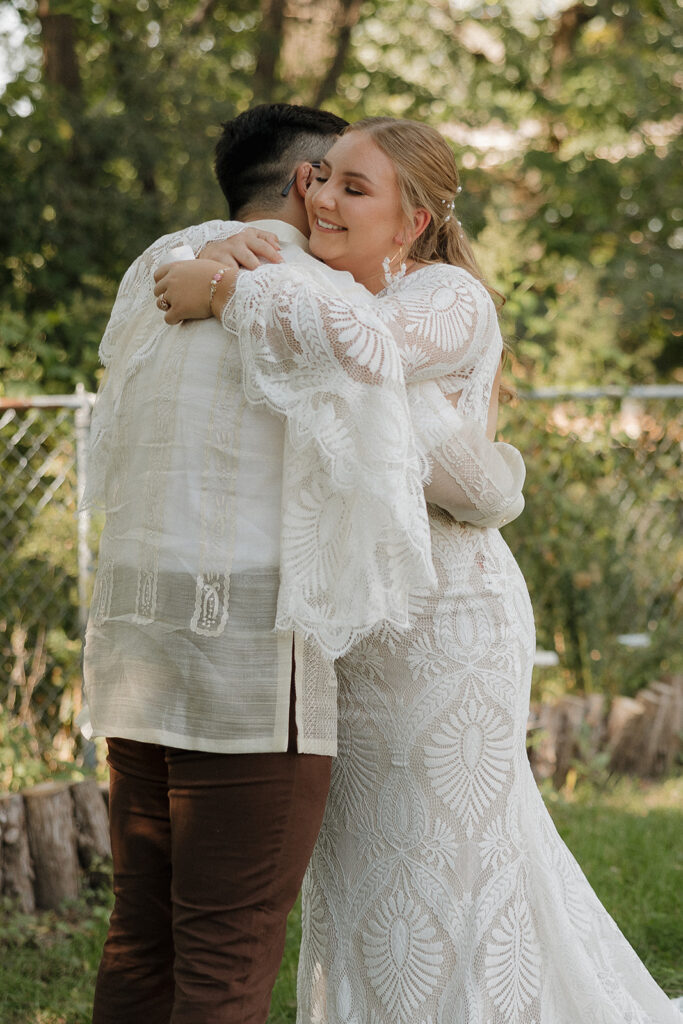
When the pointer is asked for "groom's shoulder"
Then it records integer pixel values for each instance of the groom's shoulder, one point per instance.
(195, 235)
(140, 272)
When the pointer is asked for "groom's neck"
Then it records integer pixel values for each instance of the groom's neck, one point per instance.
(288, 212)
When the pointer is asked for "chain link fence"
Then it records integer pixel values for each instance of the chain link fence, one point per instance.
(598, 544)
(45, 569)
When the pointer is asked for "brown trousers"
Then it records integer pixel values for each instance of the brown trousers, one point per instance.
(209, 854)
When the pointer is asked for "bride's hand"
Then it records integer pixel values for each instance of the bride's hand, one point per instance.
(183, 289)
(246, 249)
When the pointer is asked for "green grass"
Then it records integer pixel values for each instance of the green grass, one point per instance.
(626, 839)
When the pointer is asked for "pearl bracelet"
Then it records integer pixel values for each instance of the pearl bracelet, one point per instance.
(215, 281)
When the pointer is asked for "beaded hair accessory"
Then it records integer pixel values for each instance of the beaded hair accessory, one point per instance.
(450, 205)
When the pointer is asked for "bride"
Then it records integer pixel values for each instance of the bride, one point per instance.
(439, 891)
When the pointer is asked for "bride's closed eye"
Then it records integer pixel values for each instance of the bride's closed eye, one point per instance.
(348, 189)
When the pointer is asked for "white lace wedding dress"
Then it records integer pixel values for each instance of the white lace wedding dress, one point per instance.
(439, 891)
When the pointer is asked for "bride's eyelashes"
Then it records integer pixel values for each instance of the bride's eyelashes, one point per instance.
(350, 191)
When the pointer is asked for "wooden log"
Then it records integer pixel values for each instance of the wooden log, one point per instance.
(104, 791)
(543, 748)
(663, 706)
(92, 822)
(594, 720)
(571, 711)
(647, 741)
(16, 867)
(52, 840)
(623, 729)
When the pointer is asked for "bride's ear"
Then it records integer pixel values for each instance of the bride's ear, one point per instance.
(413, 226)
(421, 219)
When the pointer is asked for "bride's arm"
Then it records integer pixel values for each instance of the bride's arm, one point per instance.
(442, 321)
(295, 324)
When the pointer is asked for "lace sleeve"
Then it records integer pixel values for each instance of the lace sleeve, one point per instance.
(444, 326)
(476, 480)
(447, 328)
(443, 321)
(355, 535)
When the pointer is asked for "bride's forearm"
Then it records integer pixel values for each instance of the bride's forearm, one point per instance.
(193, 289)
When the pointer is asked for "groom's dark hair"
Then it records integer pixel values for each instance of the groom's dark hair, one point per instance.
(260, 149)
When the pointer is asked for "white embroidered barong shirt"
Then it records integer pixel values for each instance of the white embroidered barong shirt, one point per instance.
(181, 645)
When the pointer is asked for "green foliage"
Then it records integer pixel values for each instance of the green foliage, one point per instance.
(564, 124)
(597, 540)
(39, 617)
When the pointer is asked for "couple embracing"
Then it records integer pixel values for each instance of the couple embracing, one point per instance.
(294, 448)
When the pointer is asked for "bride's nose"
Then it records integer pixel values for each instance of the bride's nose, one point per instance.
(324, 197)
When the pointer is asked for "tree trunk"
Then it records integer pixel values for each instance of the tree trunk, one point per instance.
(271, 36)
(349, 13)
(59, 50)
(52, 840)
(16, 868)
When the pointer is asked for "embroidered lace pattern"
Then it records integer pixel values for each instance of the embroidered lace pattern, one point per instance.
(331, 358)
(439, 891)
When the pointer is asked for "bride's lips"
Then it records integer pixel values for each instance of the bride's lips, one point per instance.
(328, 226)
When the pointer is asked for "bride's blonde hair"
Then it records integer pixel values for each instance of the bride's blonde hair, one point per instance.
(428, 178)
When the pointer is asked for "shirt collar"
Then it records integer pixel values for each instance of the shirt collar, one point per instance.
(287, 233)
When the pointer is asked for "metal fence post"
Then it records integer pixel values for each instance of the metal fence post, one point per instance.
(82, 427)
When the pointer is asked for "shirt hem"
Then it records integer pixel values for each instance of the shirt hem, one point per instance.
(250, 745)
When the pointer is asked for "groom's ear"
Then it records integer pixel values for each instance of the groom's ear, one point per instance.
(305, 174)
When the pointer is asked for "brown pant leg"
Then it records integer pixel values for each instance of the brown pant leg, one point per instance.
(243, 829)
(135, 978)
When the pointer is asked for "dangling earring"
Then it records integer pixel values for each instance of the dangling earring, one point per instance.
(390, 278)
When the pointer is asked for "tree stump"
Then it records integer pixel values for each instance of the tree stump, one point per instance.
(546, 725)
(623, 728)
(92, 823)
(571, 715)
(52, 840)
(92, 831)
(104, 791)
(16, 867)
(594, 720)
(665, 744)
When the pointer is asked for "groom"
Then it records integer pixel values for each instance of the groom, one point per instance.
(220, 731)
